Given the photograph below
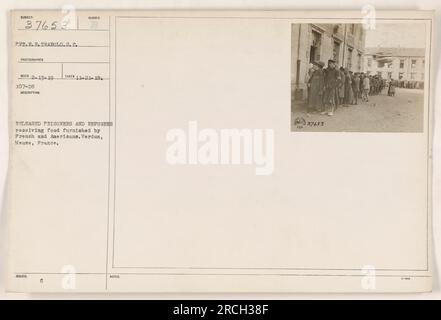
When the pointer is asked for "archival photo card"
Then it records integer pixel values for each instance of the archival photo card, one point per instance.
(219, 151)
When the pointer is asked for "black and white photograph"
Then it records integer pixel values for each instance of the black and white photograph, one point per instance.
(358, 78)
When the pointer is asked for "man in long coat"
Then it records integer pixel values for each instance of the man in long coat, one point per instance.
(332, 79)
(341, 87)
(348, 88)
(317, 87)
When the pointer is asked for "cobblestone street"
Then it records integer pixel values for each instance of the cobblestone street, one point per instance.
(402, 113)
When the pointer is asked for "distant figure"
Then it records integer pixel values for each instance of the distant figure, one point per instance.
(348, 94)
(391, 90)
(341, 87)
(405, 84)
(370, 87)
(355, 88)
(366, 89)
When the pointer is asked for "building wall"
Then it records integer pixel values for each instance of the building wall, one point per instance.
(395, 70)
(350, 37)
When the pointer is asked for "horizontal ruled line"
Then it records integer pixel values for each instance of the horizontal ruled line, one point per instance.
(97, 62)
(228, 274)
(51, 47)
(23, 29)
(57, 273)
(63, 79)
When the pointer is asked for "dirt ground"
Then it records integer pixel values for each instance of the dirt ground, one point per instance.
(402, 113)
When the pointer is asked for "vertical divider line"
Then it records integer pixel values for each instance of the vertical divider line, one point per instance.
(109, 153)
(114, 139)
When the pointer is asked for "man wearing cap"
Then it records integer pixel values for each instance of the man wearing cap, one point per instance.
(332, 79)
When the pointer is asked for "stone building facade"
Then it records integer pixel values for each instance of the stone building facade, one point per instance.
(310, 43)
(405, 64)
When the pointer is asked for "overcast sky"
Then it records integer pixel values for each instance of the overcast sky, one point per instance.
(397, 35)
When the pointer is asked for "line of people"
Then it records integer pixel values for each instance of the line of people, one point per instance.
(409, 84)
(331, 87)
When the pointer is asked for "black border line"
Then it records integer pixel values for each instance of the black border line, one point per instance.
(223, 274)
(318, 269)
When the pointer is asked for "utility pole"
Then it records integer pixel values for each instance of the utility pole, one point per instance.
(298, 56)
(344, 46)
(298, 93)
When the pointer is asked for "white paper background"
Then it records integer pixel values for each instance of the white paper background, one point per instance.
(217, 4)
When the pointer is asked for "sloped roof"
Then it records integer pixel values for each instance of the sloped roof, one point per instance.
(396, 52)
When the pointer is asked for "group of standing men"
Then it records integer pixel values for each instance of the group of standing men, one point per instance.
(331, 87)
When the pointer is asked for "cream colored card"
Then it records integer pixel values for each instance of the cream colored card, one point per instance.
(179, 151)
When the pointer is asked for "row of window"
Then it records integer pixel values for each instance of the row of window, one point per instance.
(336, 55)
(382, 64)
(413, 75)
(314, 52)
(352, 28)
